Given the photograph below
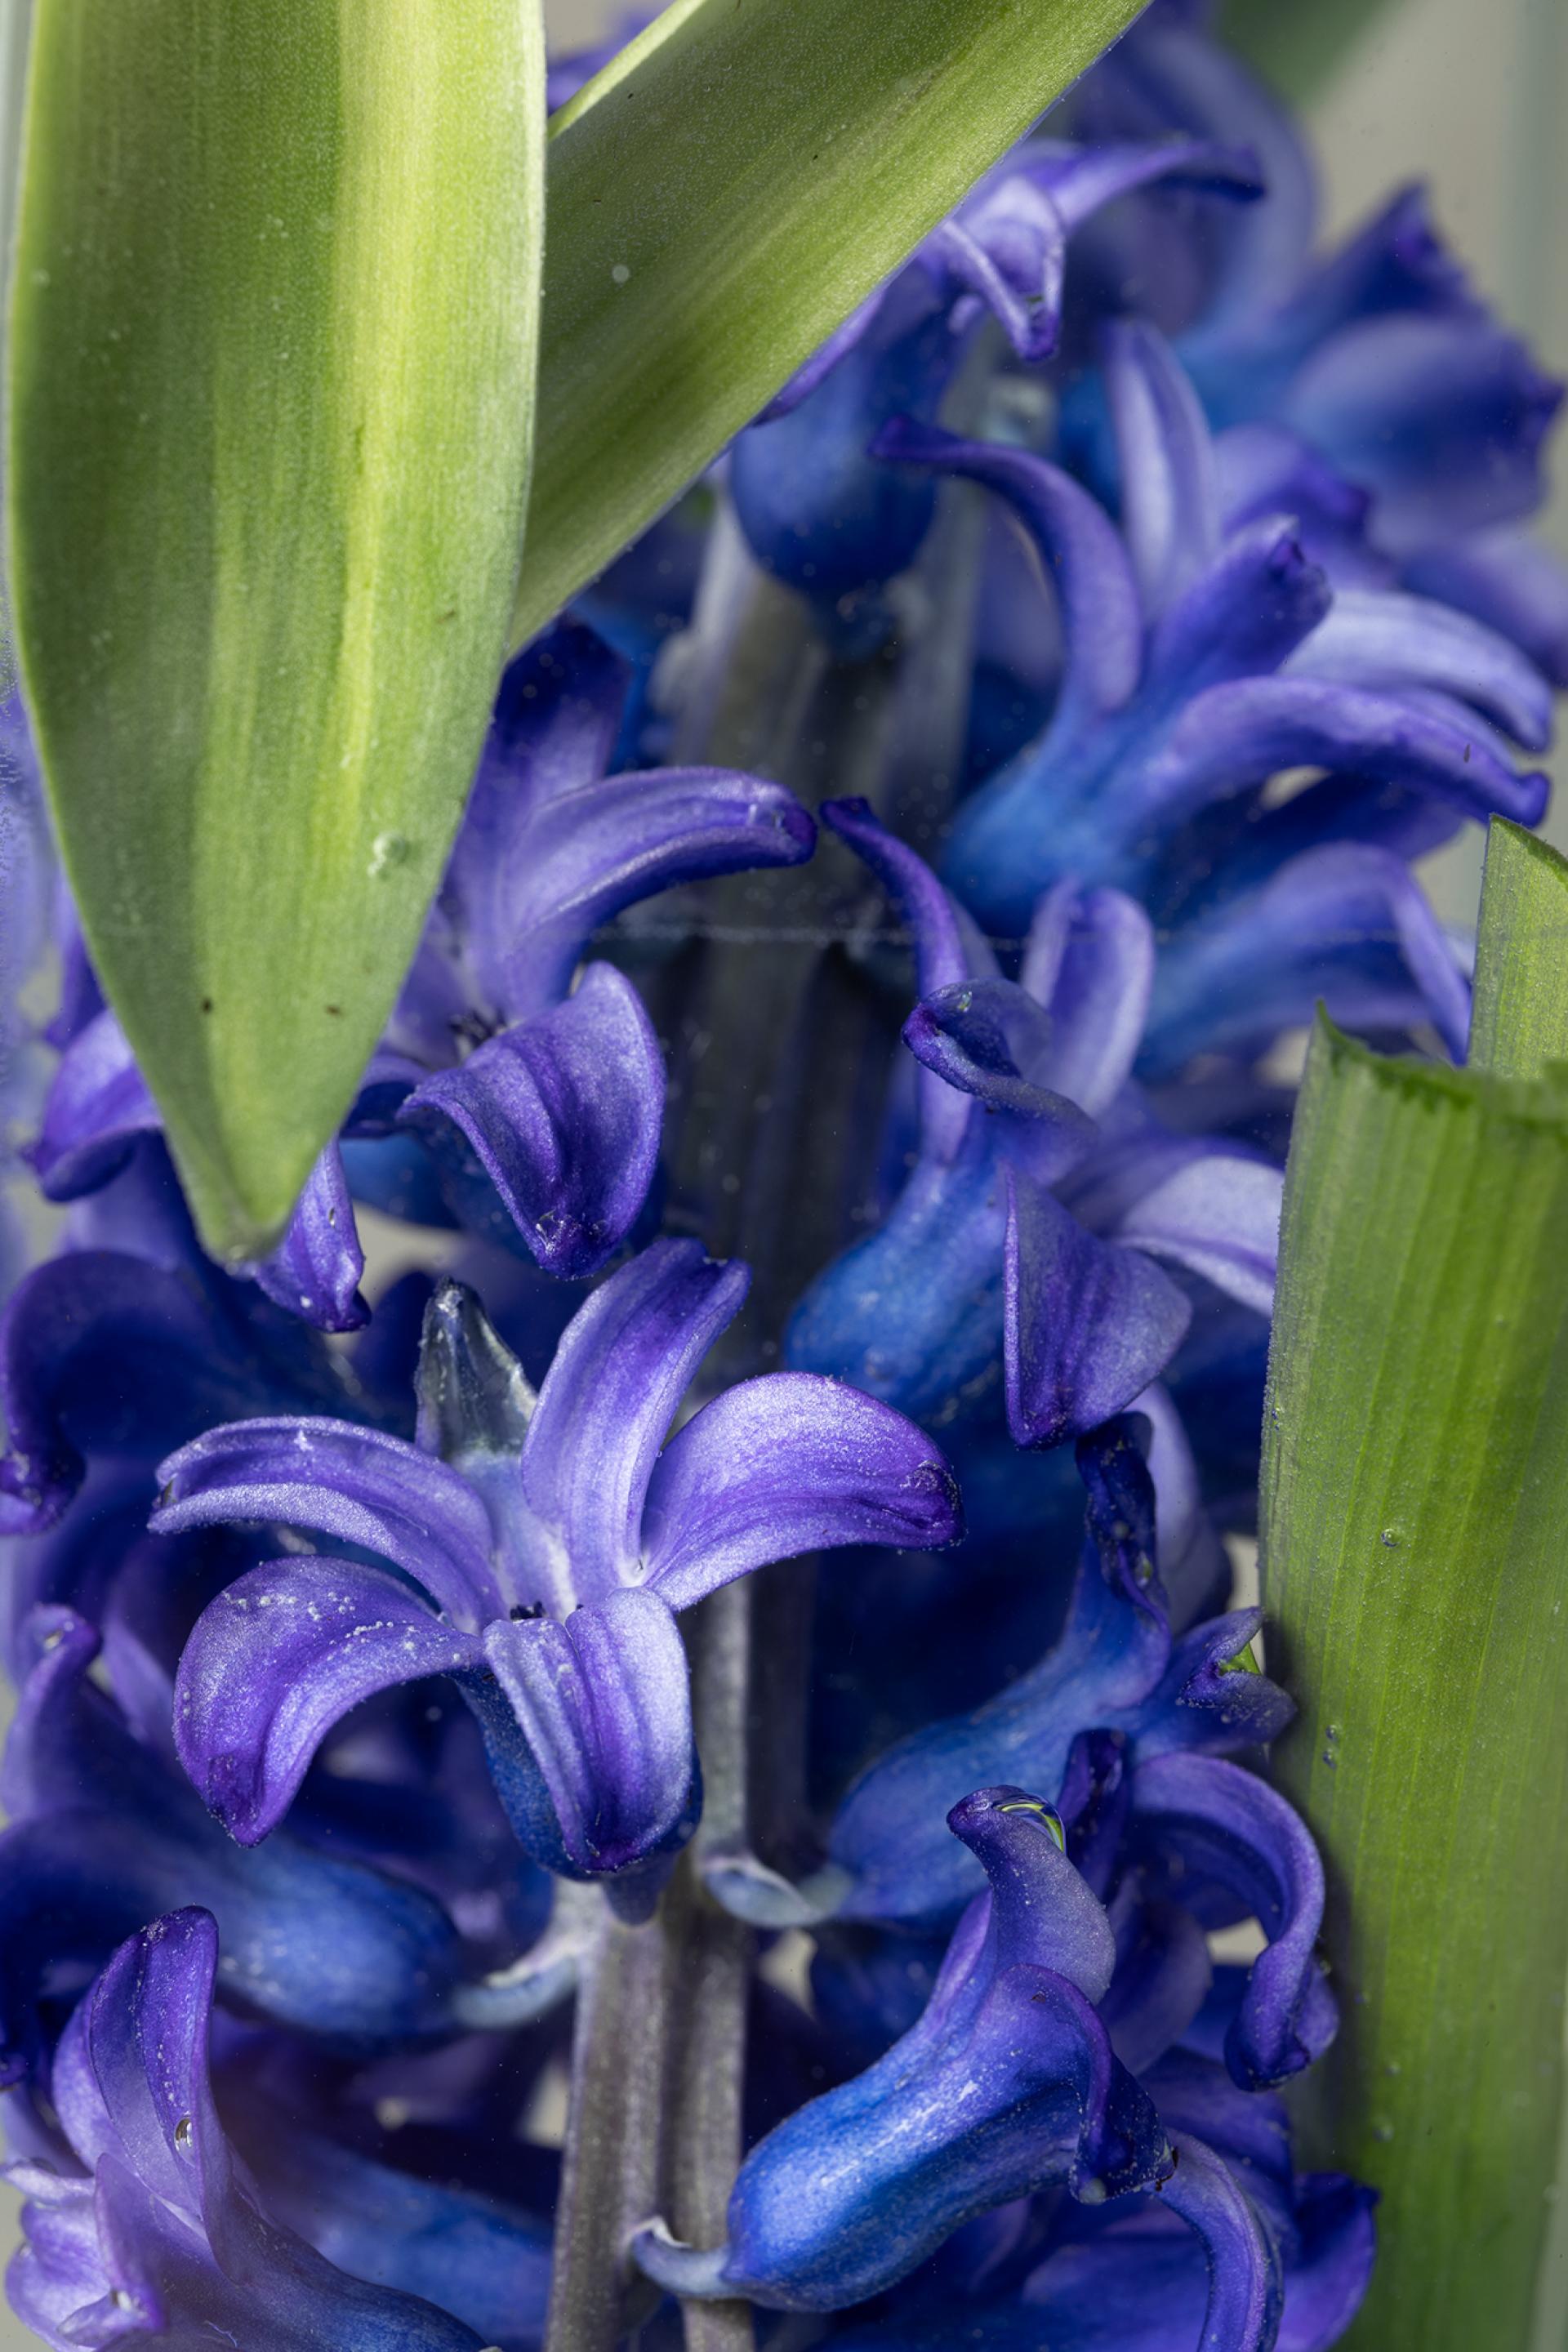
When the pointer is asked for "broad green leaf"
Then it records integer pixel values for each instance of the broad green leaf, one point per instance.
(274, 328)
(1519, 1020)
(1415, 1572)
(722, 197)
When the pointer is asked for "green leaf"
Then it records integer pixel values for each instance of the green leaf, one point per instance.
(274, 330)
(1415, 1504)
(722, 197)
(1519, 1022)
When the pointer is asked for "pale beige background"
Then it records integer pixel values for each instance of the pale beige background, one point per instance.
(1472, 98)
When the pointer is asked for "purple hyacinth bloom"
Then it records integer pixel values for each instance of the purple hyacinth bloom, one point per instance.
(1007, 2084)
(544, 1548)
(1173, 1712)
(1202, 654)
(1043, 1195)
(157, 2228)
(539, 1102)
(816, 509)
(1376, 357)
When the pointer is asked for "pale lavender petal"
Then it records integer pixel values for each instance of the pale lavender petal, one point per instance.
(563, 1113)
(1080, 550)
(620, 1371)
(1090, 961)
(1088, 1325)
(279, 1658)
(1386, 640)
(788, 1464)
(1219, 1217)
(315, 1269)
(1170, 500)
(340, 1480)
(605, 1704)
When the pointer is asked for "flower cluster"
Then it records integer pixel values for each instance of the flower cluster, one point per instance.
(492, 1584)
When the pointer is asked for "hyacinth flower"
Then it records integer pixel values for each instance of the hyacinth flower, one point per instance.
(543, 1547)
(817, 509)
(157, 2228)
(1165, 1716)
(1041, 1196)
(1201, 659)
(1009, 2083)
(1136, 2277)
(1376, 359)
(538, 1104)
(105, 1832)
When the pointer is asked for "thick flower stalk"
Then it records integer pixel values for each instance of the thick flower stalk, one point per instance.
(490, 1640)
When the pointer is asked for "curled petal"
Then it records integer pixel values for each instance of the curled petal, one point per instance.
(1082, 556)
(620, 1371)
(1238, 735)
(1244, 2289)
(1241, 616)
(1218, 1215)
(1229, 1829)
(342, 1480)
(1346, 922)
(988, 1038)
(604, 1705)
(98, 1108)
(563, 1113)
(1386, 640)
(1089, 1326)
(279, 1657)
(786, 1463)
(1510, 582)
(315, 1270)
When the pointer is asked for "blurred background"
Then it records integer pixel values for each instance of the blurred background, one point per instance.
(1472, 99)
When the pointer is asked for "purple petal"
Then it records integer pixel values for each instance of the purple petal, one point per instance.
(1041, 1912)
(1324, 2286)
(605, 1704)
(1245, 2290)
(1509, 582)
(1236, 735)
(1080, 550)
(103, 1353)
(1444, 418)
(989, 1039)
(344, 1481)
(1090, 961)
(1347, 923)
(563, 1113)
(1264, 470)
(783, 1465)
(1227, 1827)
(1089, 1326)
(1240, 617)
(1170, 503)
(590, 852)
(1385, 640)
(943, 956)
(315, 1270)
(620, 1371)
(1219, 1217)
(98, 1108)
(279, 1658)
